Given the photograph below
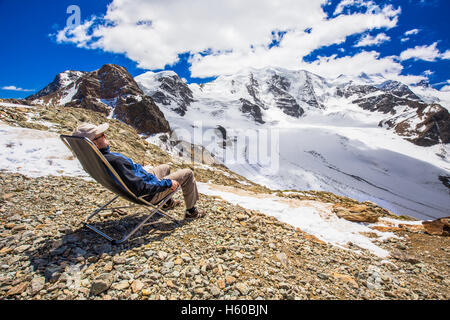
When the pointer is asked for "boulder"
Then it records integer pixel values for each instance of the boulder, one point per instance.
(356, 213)
(101, 283)
(440, 227)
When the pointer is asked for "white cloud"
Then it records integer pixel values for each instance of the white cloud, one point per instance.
(234, 34)
(153, 33)
(440, 83)
(427, 53)
(409, 33)
(14, 88)
(223, 37)
(354, 3)
(294, 46)
(445, 88)
(412, 32)
(446, 55)
(78, 35)
(369, 62)
(369, 40)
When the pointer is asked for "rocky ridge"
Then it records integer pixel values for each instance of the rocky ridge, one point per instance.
(409, 116)
(301, 93)
(169, 90)
(110, 90)
(233, 253)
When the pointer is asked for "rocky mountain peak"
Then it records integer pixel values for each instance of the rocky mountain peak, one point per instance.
(423, 84)
(115, 80)
(168, 89)
(110, 90)
(299, 93)
(398, 89)
(60, 81)
(408, 115)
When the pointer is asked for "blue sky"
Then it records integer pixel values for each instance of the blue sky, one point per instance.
(35, 45)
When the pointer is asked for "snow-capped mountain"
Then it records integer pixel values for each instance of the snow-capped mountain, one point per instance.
(367, 137)
(110, 90)
(52, 94)
(255, 91)
(422, 123)
(166, 88)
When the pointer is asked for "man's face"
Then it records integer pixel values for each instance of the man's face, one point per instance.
(100, 141)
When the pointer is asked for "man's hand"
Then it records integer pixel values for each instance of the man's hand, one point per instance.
(175, 185)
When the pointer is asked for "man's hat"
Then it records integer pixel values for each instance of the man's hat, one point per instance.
(89, 130)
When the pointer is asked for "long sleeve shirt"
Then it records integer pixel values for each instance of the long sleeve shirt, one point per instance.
(139, 181)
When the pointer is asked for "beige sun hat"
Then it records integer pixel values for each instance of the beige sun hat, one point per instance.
(90, 130)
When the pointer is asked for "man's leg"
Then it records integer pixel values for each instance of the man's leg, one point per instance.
(160, 171)
(185, 177)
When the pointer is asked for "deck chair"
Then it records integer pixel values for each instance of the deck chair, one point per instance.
(101, 170)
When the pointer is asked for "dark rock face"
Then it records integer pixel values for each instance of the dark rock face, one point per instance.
(397, 89)
(278, 86)
(435, 124)
(423, 84)
(173, 89)
(109, 82)
(61, 80)
(136, 113)
(253, 90)
(424, 125)
(386, 102)
(358, 90)
(109, 88)
(252, 109)
(394, 91)
(445, 180)
(308, 94)
(421, 123)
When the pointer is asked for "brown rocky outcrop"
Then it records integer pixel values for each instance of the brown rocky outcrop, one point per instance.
(430, 125)
(440, 227)
(144, 115)
(360, 212)
(110, 89)
(421, 123)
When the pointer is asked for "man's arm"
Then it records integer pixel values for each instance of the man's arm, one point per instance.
(136, 184)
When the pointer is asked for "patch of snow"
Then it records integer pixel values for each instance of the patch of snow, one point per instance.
(48, 124)
(69, 93)
(312, 217)
(13, 105)
(395, 222)
(36, 153)
(109, 102)
(245, 183)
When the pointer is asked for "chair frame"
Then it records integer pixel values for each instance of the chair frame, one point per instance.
(139, 201)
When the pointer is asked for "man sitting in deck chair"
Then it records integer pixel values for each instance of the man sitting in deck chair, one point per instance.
(157, 184)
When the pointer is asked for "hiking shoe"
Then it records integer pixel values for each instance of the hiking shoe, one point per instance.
(194, 213)
(170, 204)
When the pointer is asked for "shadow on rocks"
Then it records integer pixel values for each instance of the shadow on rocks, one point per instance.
(82, 246)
